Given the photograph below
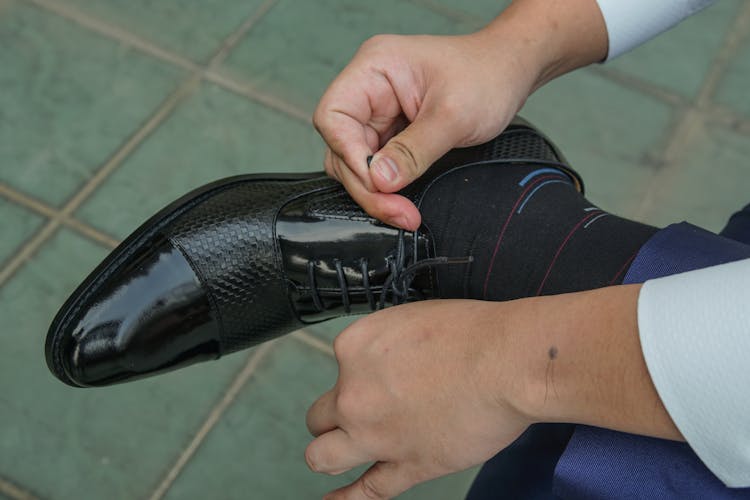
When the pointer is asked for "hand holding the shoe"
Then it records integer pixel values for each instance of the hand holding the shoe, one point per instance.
(414, 395)
(430, 388)
(410, 99)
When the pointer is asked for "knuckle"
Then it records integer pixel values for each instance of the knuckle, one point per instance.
(370, 489)
(318, 119)
(348, 404)
(341, 346)
(331, 171)
(376, 42)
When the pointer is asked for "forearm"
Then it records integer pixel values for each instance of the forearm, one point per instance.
(584, 364)
(554, 36)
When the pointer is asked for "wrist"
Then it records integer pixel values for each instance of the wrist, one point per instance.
(551, 37)
(584, 364)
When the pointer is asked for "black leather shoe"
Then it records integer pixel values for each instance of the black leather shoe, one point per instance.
(249, 258)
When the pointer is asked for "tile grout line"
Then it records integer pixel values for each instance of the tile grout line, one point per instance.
(310, 340)
(236, 36)
(249, 91)
(91, 233)
(213, 418)
(730, 119)
(246, 89)
(255, 359)
(114, 32)
(714, 112)
(26, 201)
(210, 73)
(693, 119)
(633, 82)
(32, 245)
(643, 86)
(15, 492)
(186, 87)
(27, 250)
(45, 210)
(301, 336)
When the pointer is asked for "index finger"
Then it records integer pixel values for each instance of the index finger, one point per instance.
(341, 118)
(321, 416)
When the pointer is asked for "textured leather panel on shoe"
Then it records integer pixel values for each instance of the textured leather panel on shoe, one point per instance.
(520, 143)
(229, 240)
(516, 144)
(336, 204)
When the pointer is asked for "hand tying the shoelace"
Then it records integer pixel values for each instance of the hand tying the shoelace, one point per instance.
(406, 401)
(430, 388)
(408, 100)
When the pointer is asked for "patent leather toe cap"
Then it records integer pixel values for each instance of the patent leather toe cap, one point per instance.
(146, 315)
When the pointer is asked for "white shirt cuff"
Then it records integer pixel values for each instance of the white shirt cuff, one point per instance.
(695, 333)
(633, 22)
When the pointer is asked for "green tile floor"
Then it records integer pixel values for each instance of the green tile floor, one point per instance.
(109, 109)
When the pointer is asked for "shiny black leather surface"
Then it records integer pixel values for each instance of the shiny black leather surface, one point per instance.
(326, 227)
(153, 315)
(230, 242)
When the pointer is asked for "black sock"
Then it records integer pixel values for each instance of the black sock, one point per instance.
(529, 231)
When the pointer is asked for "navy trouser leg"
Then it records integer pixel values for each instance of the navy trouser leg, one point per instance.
(738, 227)
(525, 469)
(600, 463)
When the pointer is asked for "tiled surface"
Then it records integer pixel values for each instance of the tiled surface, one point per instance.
(55, 438)
(70, 98)
(18, 225)
(290, 55)
(481, 10)
(194, 28)
(679, 59)
(610, 134)
(214, 134)
(269, 445)
(710, 185)
(732, 91)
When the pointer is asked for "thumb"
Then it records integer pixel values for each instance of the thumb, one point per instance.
(382, 481)
(409, 154)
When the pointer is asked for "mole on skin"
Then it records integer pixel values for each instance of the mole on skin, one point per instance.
(549, 376)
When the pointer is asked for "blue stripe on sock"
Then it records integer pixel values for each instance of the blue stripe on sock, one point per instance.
(541, 171)
(553, 181)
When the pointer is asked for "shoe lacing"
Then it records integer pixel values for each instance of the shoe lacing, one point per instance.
(397, 284)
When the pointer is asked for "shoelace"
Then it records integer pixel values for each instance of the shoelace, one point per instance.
(397, 284)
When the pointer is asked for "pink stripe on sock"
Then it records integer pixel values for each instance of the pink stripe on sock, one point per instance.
(505, 226)
(624, 266)
(562, 245)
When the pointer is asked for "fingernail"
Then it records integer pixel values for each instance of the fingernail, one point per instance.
(386, 168)
(399, 221)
